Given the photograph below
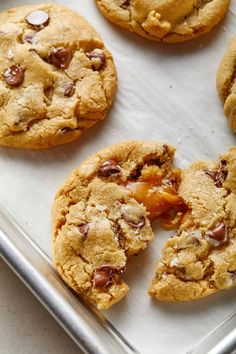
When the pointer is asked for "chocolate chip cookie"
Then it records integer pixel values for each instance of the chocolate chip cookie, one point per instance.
(226, 84)
(166, 20)
(57, 78)
(201, 258)
(102, 213)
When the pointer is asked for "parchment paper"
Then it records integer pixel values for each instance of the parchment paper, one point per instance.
(166, 92)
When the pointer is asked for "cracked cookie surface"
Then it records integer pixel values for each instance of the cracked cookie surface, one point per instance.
(98, 222)
(57, 78)
(226, 84)
(201, 258)
(166, 20)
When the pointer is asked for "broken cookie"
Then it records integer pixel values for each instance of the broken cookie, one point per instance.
(201, 258)
(101, 215)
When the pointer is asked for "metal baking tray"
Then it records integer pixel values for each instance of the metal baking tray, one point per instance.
(166, 92)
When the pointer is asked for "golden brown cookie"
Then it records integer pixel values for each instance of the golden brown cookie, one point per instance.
(201, 258)
(165, 20)
(226, 84)
(57, 78)
(100, 220)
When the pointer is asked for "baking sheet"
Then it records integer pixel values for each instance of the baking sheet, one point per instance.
(166, 92)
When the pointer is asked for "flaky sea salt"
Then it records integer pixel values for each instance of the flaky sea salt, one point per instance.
(10, 54)
(101, 207)
(164, 276)
(174, 262)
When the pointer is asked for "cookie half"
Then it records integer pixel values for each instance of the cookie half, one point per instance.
(201, 258)
(57, 78)
(99, 218)
(168, 20)
(226, 84)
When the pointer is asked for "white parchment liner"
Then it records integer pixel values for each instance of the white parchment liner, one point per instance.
(166, 92)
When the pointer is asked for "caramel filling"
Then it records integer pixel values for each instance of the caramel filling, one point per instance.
(160, 196)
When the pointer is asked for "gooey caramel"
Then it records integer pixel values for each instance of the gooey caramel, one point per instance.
(160, 196)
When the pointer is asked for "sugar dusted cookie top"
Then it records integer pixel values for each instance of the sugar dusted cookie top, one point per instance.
(165, 20)
(57, 78)
(99, 218)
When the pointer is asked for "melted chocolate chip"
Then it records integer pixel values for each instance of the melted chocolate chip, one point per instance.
(84, 229)
(98, 58)
(61, 58)
(153, 161)
(137, 225)
(14, 76)
(218, 236)
(103, 276)
(69, 89)
(109, 168)
(219, 176)
(38, 18)
(136, 174)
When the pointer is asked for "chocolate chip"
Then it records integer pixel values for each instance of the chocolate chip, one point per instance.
(98, 58)
(14, 76)
(69, 89)
(137, 225)
(153, 161)
(103, 276)
(180, 273)
(218, 236)
(61, 58)
(84, 229)
(135, 174)
(218, 176)
(125, 4)
(38, 18)
(212, 174)
(109, 168)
